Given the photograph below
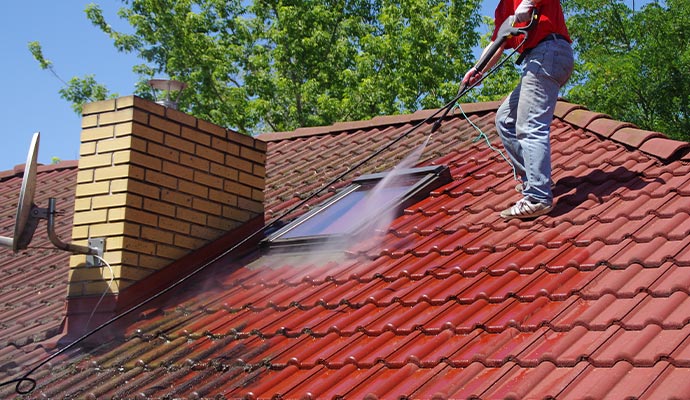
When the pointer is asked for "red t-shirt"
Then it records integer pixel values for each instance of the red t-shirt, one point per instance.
(551, 20)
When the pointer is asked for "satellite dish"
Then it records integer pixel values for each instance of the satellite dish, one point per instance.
(26, 219)
(28, 214)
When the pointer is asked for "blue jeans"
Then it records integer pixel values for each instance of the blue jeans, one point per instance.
(524, 119)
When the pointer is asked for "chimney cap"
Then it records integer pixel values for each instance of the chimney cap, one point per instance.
(167, 86)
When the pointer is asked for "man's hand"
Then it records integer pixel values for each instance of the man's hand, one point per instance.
(471, 77)
(524, 11)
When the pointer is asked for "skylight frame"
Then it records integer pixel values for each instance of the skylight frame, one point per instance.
(426, 179)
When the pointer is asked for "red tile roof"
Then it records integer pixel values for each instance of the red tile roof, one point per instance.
(33, 286)
(591, 301)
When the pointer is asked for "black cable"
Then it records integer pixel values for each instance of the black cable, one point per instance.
(449, 105)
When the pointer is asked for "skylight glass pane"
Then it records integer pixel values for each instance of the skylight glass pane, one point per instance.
(370, 202)
(347, 213)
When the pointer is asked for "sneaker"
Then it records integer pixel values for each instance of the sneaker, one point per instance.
(524, 209)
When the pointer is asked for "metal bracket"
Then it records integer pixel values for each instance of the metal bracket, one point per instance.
(97, 244)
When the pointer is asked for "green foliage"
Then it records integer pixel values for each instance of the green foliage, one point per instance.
(634, 66)
(281, 64)
(77, 91)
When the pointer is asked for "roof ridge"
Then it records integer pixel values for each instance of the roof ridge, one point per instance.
(380, 120)
(18, 169)
(652, 143)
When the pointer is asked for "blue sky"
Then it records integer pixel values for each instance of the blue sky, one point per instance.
(30, 101)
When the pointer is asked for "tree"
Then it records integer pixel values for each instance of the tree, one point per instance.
(281, 64)
(634, 66)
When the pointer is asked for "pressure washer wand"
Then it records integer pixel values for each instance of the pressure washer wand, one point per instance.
(505, 32)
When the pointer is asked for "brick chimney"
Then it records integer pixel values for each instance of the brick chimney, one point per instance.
(156, 184)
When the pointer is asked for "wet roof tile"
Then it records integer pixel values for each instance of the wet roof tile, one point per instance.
(590, 301)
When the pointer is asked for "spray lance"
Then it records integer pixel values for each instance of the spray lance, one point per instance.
(506, 31)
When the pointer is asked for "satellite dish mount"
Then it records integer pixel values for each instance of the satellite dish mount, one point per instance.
(28, 214)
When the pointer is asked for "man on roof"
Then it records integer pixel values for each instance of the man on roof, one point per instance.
(524, 119)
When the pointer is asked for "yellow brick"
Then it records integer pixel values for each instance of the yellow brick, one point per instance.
(91, 189)
(139, 246)
(250, 205)
(158, 179)
(176, 198)
(196, 136)
(239, 138)
(163, 152)
(95, 161)
(193, 189)
(195, 162)
(93, 273)
(174, 225)
(171, 252)
(156, 235)
(82, 204)
(85, 176)
(258, 195)
(87, 149)
(223, 224)
(185, 214)
(114, 229)
(236, 214)
(76, 260)
(252, 180)
(238, 189)
(177, 170)
(142, 217)
(124, 102)
(179, 144)
(115, 117)
(148, 105)
(211, 128)
(97, 133)
(259, 171)
(143, 189)
(90, 217)
(206, 206)
(116, 214)
(116, 200)
(210, 154)
(164, 125)
(119, 185)
(114, 243)
(204, 232)
(118, 257)
(222, 197)
(111, 145)
(153, 262)
(260, 145)
(118, 172)
(80, 232)
(208, 180)
(225, 172)
(232, 149)
(88, 121)
(253, 155)
(143, 160)
(238, 163)
(146, 132)
(181, 117)
(98, 107)
(189, 243)
(159, 207)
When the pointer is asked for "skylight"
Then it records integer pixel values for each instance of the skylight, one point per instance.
(359, 205)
